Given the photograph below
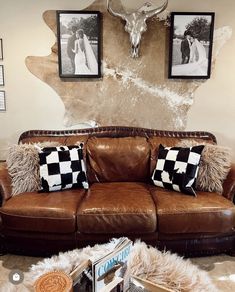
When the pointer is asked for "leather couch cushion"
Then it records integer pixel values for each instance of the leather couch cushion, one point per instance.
(117, 208)
(206, 213)
(44, 212)
(118, 159)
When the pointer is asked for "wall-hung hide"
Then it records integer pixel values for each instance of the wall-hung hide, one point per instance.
(132, 91)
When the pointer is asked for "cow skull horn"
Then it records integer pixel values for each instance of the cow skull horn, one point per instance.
(115, 13)
(136, 22)
(158, 10)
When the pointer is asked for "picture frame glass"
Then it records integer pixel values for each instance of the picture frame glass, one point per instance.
(191, 39)
(2, 101)
(1, 75)
(1, 50)
(78, 36)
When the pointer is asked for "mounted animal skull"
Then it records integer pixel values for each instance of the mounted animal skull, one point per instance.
(136, 22)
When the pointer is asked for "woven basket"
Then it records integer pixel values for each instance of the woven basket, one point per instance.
(56, 281)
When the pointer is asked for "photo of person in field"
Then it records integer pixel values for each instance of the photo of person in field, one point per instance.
(190, 45)
(78, 40)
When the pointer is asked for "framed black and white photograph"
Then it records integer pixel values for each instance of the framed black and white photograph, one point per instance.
(1, 75)
(78, 36)
(191, 40)
(2, 101)
(1, 50)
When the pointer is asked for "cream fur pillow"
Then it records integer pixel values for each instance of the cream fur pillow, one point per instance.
(23, 166)
(213, 168)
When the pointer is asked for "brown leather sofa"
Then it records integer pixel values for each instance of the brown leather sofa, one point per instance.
(121, 200)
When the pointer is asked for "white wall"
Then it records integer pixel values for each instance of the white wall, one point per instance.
(32, 104)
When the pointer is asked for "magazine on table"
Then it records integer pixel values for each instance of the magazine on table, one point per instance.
(103, 273)
(110, 272)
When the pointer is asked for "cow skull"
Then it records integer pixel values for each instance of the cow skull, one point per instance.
(136, 22)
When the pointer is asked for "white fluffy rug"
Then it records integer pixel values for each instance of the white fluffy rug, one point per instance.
(163, 268)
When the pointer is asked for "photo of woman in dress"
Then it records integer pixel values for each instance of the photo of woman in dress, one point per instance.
(79, 43)
(191, 45)
(84, 60)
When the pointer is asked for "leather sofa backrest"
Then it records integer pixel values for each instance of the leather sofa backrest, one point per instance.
(118, 159)
(117, 153)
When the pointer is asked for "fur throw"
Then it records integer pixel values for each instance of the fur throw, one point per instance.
(213, 168)
(168, 270)
(164, 268)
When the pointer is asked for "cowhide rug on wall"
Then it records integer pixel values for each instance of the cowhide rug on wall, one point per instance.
(132, 92)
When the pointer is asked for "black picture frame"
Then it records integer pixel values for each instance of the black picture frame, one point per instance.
(191, 41)
(2, 101)
(79, 43)
(1, 50)
(2, 81)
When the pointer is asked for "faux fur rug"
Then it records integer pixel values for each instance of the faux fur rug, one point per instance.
(164, 268)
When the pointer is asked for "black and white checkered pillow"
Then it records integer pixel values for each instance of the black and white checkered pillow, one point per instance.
(62, 168)
(177, 168)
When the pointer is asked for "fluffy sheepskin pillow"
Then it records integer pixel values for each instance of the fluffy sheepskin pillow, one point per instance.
(23, 166)
(213, 168)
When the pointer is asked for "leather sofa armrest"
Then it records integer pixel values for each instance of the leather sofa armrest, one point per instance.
(229, 184)
(5, 184)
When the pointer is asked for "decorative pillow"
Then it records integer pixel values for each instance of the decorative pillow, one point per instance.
(177, 168)
(214, 166)
(23, 166)
(62, 168)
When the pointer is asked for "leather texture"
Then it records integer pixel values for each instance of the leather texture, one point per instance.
(111, 131)
(42, 212)
(180, 213)
(5, 183)
(229, 185)
(38, 243)
(62, 139)
(205, 246)
(117, 208)
(1, 226)
(118, 159)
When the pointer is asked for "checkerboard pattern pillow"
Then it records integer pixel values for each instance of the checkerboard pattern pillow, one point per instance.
(62, 168)
(177, 168)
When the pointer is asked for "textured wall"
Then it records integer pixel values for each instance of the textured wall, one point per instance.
(133, 92)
